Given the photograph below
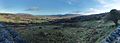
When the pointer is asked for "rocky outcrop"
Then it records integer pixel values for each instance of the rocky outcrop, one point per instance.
(10, 36)
(114, 37)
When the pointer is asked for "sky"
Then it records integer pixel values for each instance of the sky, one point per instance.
(54, 7)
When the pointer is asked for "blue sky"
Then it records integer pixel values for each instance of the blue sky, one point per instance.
(53, 7)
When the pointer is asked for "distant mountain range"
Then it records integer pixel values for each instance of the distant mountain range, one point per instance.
(62, 15)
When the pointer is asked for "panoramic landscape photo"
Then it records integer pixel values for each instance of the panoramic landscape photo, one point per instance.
(59, 21)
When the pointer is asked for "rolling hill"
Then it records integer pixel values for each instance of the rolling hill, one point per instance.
(54, 29)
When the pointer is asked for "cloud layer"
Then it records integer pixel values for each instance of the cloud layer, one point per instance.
(106, 6)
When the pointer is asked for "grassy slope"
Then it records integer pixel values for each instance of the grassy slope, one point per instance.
(5, 20)
(92, 31)
(23, 19)
(83, 32)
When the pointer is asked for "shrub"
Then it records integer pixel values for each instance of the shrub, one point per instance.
(114, 16)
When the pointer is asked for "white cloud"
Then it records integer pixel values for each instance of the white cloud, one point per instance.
(70, 2)
(33, 9)
(107, 5)
(2, 11)
(102, 1)
(92, 11)
(110, 4)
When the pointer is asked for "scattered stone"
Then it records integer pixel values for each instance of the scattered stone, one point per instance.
(10, 36)
(114, 37)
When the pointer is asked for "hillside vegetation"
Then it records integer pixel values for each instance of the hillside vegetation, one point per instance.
(23, 18)
(37, 29)
(80, 32)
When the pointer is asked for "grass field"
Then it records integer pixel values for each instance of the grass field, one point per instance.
(80, 32)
